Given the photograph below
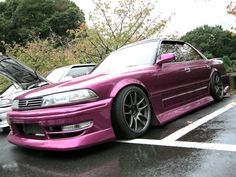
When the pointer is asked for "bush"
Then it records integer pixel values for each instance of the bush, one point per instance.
(229, 64)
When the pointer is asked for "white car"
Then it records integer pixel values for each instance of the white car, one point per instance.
(14, 70)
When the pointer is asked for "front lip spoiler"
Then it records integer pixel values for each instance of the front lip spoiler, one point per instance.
(64, 144)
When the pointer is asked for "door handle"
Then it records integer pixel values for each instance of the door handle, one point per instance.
(187, 70)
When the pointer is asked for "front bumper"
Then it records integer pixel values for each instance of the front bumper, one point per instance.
(41, 128)
(3, 117)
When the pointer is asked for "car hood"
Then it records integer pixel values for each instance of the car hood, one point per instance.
(90, 81)
(20, 74)
(77, 83)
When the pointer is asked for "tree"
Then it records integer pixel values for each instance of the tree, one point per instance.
(41, 54)
(114, 26)
(212, 41)
(231, 9)
(21, 20)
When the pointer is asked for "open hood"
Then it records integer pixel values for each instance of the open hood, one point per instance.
(20, 74)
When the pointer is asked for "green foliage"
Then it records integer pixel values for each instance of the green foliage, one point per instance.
(229, 65)
(4, 83)
(117, 25)
(45, 22)
(21, 20)
(42, 55)
(213, 41)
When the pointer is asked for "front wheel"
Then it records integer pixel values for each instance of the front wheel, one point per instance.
(216, 87)
(131, 113)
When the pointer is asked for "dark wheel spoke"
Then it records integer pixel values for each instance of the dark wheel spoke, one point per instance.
(131, 121)
(127, 105)
(140, 102)
(128, 113)
(135, 125)
(139, 120)
(217, 79)
(131, 99)
(143, 107)
(141, 115)
(135, 98)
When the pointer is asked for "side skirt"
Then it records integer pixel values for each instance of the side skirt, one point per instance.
(175, 113)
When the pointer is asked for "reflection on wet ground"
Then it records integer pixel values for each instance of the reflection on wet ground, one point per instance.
(116, 159)
(113, 159)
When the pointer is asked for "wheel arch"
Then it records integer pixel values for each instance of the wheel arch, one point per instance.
(212, 72)
(133, 82)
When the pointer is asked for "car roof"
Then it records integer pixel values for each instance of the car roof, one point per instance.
(152, 40)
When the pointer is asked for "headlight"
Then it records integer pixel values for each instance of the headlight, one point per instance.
(68, 97)
(15, 104)
(5, 102)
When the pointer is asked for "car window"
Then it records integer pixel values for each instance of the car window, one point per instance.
(172, 48)
(79, 71)
(182, 51)
(189, 53)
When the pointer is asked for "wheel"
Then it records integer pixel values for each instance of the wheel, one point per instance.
(216, 87)
(131, 113)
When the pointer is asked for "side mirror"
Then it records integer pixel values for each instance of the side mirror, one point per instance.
(164, 58)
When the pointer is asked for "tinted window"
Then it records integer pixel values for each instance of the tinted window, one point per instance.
(189, 53)
(182, 51)
(172, 48)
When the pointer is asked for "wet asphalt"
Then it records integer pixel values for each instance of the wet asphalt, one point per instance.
(117, 159)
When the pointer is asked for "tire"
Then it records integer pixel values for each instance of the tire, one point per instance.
(216, 87)
(131, 113)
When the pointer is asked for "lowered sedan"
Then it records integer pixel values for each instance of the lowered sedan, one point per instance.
(148, 82)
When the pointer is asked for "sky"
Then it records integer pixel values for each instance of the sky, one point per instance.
(189, 14)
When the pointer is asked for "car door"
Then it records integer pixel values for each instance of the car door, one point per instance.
(173, 78)
(199, 72)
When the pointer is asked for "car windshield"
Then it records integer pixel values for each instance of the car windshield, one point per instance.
(136, 55)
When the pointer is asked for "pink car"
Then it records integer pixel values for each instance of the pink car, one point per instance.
(148, 82)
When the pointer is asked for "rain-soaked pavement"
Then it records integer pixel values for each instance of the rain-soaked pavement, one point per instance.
(120, 159)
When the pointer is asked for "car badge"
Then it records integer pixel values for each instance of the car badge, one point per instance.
(26, 102)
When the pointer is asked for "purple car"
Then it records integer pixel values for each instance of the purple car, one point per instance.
(150, 82)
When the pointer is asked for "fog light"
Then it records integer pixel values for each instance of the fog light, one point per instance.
(76, 126)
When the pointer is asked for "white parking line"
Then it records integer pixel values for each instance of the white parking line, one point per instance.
(170, 140)
(183, 131)
(182, 144)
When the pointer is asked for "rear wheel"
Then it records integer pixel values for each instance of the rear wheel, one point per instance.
(217, 88)
(131, 113)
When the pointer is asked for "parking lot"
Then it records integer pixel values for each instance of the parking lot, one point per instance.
(201, 143)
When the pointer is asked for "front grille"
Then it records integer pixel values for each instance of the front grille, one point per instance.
(30, 130)
(31, 103)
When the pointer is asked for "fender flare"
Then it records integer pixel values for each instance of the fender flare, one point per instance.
(124, 83)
